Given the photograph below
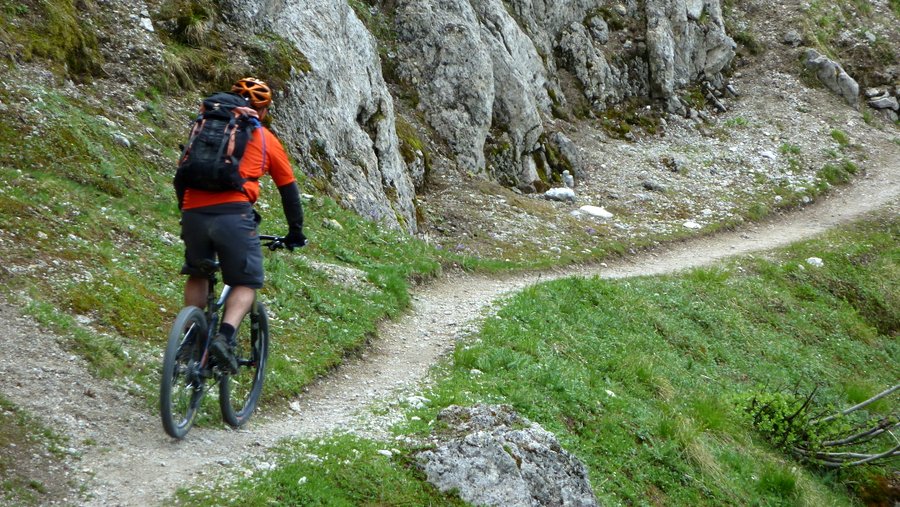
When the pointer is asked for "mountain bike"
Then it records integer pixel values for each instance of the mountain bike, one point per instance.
(188, 371)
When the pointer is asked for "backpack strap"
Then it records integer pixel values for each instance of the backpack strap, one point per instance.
(198, 126)
(227, 147)
(262, 167)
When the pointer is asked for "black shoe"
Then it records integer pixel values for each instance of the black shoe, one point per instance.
(223, 354)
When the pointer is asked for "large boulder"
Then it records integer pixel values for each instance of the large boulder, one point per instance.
(490, 455)
(833, 76)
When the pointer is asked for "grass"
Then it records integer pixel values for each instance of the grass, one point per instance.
(737, 121)
(789, 149)
(825, 23)
(640, 377)
(339, 470)
(840, 137)
(833, 174)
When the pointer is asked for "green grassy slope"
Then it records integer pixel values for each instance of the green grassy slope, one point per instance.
(645, 379)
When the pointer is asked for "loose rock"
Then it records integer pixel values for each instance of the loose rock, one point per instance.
(488, 461)
(560, 194)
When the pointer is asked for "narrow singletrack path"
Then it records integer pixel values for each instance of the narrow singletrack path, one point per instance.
(128, 460)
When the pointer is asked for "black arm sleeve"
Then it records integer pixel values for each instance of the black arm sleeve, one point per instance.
(293, 210)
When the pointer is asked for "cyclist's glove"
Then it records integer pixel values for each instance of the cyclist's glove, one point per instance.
(294, 239)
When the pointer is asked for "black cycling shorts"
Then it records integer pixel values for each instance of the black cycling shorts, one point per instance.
(232, 237)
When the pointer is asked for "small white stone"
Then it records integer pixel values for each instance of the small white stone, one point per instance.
(385, 452)
(815, 262)
(690, 224)
(596, 211)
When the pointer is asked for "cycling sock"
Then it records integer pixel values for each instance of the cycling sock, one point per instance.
(227, 330)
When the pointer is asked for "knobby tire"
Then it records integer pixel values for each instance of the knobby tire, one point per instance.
(181, 390)
(239, 393)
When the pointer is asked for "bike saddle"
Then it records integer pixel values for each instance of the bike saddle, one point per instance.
(208, 266)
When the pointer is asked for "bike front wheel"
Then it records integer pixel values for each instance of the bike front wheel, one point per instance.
(181, 387)
(239, 393)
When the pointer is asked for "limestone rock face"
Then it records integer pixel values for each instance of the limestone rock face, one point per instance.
(601, 83)
(340, 113)
(442, 54)
(488, 77)
(475, 69)
(685, 39)
(487, 72)
(496, 457)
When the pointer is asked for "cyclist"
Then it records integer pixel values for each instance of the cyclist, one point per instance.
(224, 224)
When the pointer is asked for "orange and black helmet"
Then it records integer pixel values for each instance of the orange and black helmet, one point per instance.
(257, 92)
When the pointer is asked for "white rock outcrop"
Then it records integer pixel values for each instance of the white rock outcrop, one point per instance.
(488, 76)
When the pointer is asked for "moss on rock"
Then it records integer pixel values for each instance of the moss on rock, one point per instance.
(50, 30)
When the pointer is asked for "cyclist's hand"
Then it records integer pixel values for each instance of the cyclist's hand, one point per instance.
(294, 240)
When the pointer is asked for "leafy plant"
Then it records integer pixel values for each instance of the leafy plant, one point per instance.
(842, 439)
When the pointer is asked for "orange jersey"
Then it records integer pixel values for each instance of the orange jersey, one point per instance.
(263, 154)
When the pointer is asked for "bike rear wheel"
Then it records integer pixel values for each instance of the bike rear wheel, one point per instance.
(239, 393)
(182, 386)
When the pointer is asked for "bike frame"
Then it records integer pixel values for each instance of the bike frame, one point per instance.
(213, 305)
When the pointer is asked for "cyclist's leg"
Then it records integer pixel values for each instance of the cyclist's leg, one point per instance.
(239, 302)
(239, 394)
(238, 246)
(196, 290)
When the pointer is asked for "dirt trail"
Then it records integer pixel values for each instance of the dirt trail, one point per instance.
(131, 462)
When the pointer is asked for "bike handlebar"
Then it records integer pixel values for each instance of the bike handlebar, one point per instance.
(272, 242)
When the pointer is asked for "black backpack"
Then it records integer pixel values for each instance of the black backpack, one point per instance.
(216, 144)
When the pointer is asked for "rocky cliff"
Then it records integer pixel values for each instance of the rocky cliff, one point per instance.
(486, 75)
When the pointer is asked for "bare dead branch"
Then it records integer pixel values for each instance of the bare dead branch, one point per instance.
(887, 454)
(842, 459)
(854, 408)
(883, 426)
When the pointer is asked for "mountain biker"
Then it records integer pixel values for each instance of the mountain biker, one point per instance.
(224, 224)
